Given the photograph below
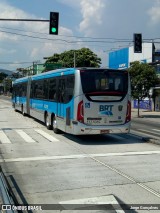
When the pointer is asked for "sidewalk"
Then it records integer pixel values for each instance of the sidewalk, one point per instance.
(146, 115)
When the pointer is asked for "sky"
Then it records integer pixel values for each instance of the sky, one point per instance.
(101, 25)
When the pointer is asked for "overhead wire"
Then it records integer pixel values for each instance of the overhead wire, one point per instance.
(82, 37)
(71, 42)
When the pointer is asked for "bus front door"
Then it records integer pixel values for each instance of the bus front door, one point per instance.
(60, 104)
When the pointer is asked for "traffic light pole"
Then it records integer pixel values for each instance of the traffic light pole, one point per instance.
(39, 20)
(53, 22)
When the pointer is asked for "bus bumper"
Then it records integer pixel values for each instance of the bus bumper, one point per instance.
(81, 129)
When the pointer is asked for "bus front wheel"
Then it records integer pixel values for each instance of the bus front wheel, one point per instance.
(22, 109)
(55, 129)
(47, 122)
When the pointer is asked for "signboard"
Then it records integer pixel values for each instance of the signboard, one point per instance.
(119, 59)
(52, 66)
(144, 104)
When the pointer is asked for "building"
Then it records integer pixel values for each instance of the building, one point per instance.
(122, 59)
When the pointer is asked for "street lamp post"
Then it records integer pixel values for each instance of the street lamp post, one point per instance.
(74, 59)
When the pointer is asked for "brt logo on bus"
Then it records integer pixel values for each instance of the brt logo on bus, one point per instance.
(106, 110)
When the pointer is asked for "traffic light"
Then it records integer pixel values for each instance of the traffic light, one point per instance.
(53, 24)
(137, 43)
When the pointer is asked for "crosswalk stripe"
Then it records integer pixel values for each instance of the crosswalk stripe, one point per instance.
(157, 130)
(144, 133)
(46, 135)
(148, 131)
(26, 137)
(4, 138)
(91, 202)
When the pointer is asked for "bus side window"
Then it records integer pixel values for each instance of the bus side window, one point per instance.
(13, 91)
(17, 90)
(32, 90)
(46, 89)
(52, 89)
(69, 88)
(61, 90)
(40, 89)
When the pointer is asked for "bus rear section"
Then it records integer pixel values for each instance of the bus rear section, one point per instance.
(102, 102)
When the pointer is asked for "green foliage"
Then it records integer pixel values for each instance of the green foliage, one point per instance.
(2, 76)
(143, 77)
(83, 58)
(7, 84)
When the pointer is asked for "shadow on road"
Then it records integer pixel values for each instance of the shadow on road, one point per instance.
(103, 139)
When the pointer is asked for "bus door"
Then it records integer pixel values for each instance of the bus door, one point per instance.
(28, 96)
(17, 97)
(14, 95)
(60, 103)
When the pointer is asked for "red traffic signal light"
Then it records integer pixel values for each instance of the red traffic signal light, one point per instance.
(53, 24)
(137, 43)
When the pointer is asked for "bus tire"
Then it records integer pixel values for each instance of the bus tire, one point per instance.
(55, 129)
(47, 122)
(22, 110)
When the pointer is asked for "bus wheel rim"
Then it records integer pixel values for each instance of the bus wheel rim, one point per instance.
(54, 124)
(47, 120)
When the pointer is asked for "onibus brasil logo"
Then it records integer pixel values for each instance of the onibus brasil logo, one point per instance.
(106, 110)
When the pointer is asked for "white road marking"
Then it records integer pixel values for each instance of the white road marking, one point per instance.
(103, 200)
(46, 135)
(78, 156)
(156, 130)
(152, 191)
(3, 137)
(149, 189)
(7, 102)
(26, 137)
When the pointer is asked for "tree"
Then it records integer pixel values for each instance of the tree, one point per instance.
(7, 82)
(143, 77)
(2, 76)
(83, 58)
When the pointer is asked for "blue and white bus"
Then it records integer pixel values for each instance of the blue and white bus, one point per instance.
(77, 100)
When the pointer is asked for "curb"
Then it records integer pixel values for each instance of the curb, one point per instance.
(154, 141)
(146, 138)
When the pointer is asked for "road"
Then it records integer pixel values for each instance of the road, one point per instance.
(45, 168)
(151, 128)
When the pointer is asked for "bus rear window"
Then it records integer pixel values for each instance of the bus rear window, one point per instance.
(94, 81)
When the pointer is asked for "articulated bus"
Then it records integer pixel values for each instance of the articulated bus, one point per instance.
(77, 100)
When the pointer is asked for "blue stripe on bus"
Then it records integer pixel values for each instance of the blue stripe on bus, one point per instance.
(53, 107)
(20, 80)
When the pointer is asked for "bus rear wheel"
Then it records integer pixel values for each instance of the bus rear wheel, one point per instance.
(22, 109)
(55, 129)
(47, 122)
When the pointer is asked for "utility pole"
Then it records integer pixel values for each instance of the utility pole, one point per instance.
(74, 59)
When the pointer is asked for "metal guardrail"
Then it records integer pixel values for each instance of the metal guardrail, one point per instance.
(6, 195)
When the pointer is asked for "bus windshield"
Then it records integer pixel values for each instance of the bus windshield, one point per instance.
(105, 81)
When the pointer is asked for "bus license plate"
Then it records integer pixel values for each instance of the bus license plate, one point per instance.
(105, 131)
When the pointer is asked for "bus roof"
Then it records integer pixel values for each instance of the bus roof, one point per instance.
(60, 72)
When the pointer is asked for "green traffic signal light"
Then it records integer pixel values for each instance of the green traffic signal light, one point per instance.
(53, 30)
(53, 23)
